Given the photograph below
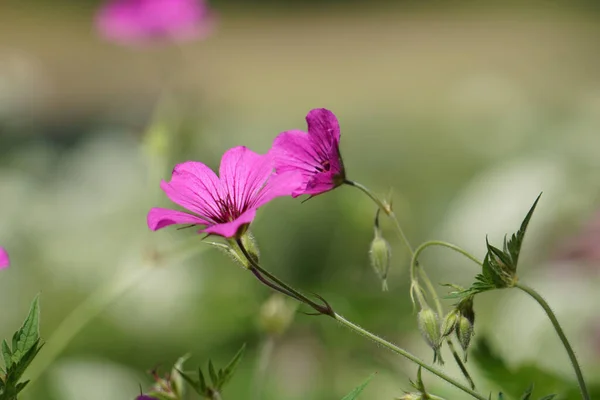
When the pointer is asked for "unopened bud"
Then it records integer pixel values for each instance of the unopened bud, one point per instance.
(380, 254)
(276, 315)
(464, 332)
(429, 325)
(450, 322)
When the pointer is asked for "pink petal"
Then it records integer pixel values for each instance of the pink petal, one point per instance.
(196, 187)
(230, 229)
(284, 184)
(158, 218)
(324, 128)
(243, 173)
(293, 151)
(4, 260)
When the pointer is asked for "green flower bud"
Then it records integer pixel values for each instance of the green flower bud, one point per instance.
(429, 325)
(276, 315)
(380, 254)
(450, 322)
(464, 332)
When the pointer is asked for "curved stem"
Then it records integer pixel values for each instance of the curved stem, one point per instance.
(441, 243)
(390, 346)
(284, 287)
(387, 209)
(584, 391)
(357, 329)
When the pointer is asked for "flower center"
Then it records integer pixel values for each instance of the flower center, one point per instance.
(325, 166)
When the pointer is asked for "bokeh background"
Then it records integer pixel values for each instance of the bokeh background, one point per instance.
(468, 110)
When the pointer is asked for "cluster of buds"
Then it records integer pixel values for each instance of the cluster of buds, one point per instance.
(380, 254)
(167, 387)
(461, 320)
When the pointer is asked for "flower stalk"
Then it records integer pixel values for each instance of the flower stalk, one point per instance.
(415, 287)
(327, 310)
(561, 334)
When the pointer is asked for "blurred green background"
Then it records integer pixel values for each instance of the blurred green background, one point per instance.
(466, 110)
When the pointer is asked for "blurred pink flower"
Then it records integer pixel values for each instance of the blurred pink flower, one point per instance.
(315, 155)
(584, 246)
(135, 21)
(4, 260)
(226, 204)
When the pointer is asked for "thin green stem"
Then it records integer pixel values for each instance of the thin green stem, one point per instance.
(357, 329)
(284, 287)
(419, 250)
(414, 288)
(390, 346)
(582, 386)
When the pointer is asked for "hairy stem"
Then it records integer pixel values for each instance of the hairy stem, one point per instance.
(355, 328)
(283, 287)
(390, 346)
(582, 387)
(387, 209)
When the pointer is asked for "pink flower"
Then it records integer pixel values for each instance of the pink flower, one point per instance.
(4, 260)
(223, 205)
(134, 21)
(315, 155)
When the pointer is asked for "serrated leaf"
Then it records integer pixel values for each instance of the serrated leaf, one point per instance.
(6, 354)
(527, 394)
(198, 386)
(213, 375)
(230, 368)
(28, 335)
(353, 395)
(516, 241)
(201, 380)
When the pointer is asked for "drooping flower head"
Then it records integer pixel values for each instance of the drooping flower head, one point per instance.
(135, 21)
(4, 260)
(314, 154)
(225, 204)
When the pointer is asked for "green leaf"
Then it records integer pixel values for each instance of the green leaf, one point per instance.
(202, 381)
(29, 334)
(230, 368)
(213, 375)
(176, 378)
(549, 397)
(198, 386)
(358, 390)
(6, 354)
(527, 394)
(516, 241)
